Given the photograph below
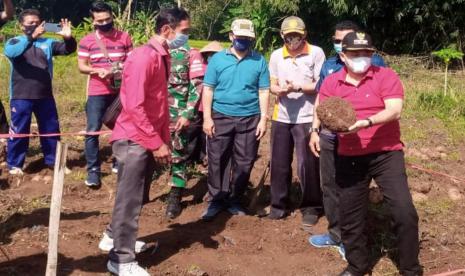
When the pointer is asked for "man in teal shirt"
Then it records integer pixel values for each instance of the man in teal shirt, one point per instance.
(235, 101)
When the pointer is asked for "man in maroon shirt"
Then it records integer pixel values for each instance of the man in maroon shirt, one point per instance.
(372, 150)
(141, 136)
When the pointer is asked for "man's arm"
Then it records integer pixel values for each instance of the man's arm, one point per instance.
(315, 136)
(8, 11)
(391, 112)
(16, 46)
(208, 124)
(69, 45)
(264, 99)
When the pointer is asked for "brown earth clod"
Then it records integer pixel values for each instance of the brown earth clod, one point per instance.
(336, 114)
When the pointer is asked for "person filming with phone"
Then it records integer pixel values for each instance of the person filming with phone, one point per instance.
(31, 59)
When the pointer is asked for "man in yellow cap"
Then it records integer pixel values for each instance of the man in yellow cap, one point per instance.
(294, 72)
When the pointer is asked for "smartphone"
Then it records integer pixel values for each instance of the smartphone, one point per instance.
(52, 27)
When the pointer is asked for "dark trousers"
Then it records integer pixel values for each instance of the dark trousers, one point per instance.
(353, 175)
(95, 108)
(197, 140)
(46, 115)
(136, 166)
(328, 159)
(283, 139)
(3, 122)
(234, 141)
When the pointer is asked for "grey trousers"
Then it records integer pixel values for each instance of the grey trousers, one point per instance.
(136, 166)
(232, 151)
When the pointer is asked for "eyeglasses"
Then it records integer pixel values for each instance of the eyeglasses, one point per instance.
(337, 41)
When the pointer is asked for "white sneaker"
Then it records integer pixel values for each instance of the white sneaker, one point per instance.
(16, 171)
(106, 244)
(127, 269)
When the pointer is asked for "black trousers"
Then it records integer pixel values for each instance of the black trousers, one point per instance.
(232, 151)
(136, 166)
(328, 159)
(353, 175)
(283, 139)
(197, 140)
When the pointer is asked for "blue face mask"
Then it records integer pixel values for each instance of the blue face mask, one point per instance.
(178, 41)
(242, 44)
(338, 48)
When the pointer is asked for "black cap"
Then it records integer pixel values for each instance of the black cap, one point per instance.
(355, 41)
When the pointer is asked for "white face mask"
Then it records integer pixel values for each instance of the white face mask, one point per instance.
(358, 65)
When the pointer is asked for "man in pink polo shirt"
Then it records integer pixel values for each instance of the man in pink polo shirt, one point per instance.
(372, 150)
(141, 136)
(101, 56)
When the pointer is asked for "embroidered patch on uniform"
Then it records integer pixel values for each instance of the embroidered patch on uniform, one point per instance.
(14, 41)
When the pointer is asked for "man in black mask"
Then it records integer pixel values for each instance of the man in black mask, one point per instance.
(101, 56)
(31, 58)
(235, 107)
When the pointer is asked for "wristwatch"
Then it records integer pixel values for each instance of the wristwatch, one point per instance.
(317, 130)
(370, 122)
(300, 90)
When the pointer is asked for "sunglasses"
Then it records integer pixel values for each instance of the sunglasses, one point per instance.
(337, 41)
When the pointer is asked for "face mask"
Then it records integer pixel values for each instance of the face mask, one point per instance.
(104, 28)
(241, 44)
(359, 64)
(178, 41)
(293, 42)
(29, 30)
(337, 47)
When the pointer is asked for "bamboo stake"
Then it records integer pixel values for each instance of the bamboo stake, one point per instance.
(55, 208)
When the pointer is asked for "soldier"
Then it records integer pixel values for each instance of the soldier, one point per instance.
(186, 75)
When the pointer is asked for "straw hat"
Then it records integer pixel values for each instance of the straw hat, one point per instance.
(213, 46)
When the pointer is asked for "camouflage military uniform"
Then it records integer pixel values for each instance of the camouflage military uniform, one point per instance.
(183, 98)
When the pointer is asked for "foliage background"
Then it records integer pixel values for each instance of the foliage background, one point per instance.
(397, 26)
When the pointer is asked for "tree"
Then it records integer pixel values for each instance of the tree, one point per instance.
(447, 55)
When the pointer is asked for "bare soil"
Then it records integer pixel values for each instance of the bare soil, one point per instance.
(227, 246)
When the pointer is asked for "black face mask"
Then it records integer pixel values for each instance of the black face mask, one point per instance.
(29, 30)
(104, 28)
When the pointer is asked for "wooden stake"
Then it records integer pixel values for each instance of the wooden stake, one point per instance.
(55, 209)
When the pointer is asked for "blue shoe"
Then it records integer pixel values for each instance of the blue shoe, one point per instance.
(93, 179)
(236, 209)
(213, 209)
(323, 240)
(342, 251)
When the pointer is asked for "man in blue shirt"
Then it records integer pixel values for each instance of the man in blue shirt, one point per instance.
(324, 144)
(235, 101)
(31, 58)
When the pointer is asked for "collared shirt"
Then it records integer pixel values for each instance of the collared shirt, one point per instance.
(144, 118)
(378, 85)
(304, 68)
(32, 65)
(335, 64)
(118, 45)
(237, 82)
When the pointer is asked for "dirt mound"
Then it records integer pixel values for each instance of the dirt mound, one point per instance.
(336, 114)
